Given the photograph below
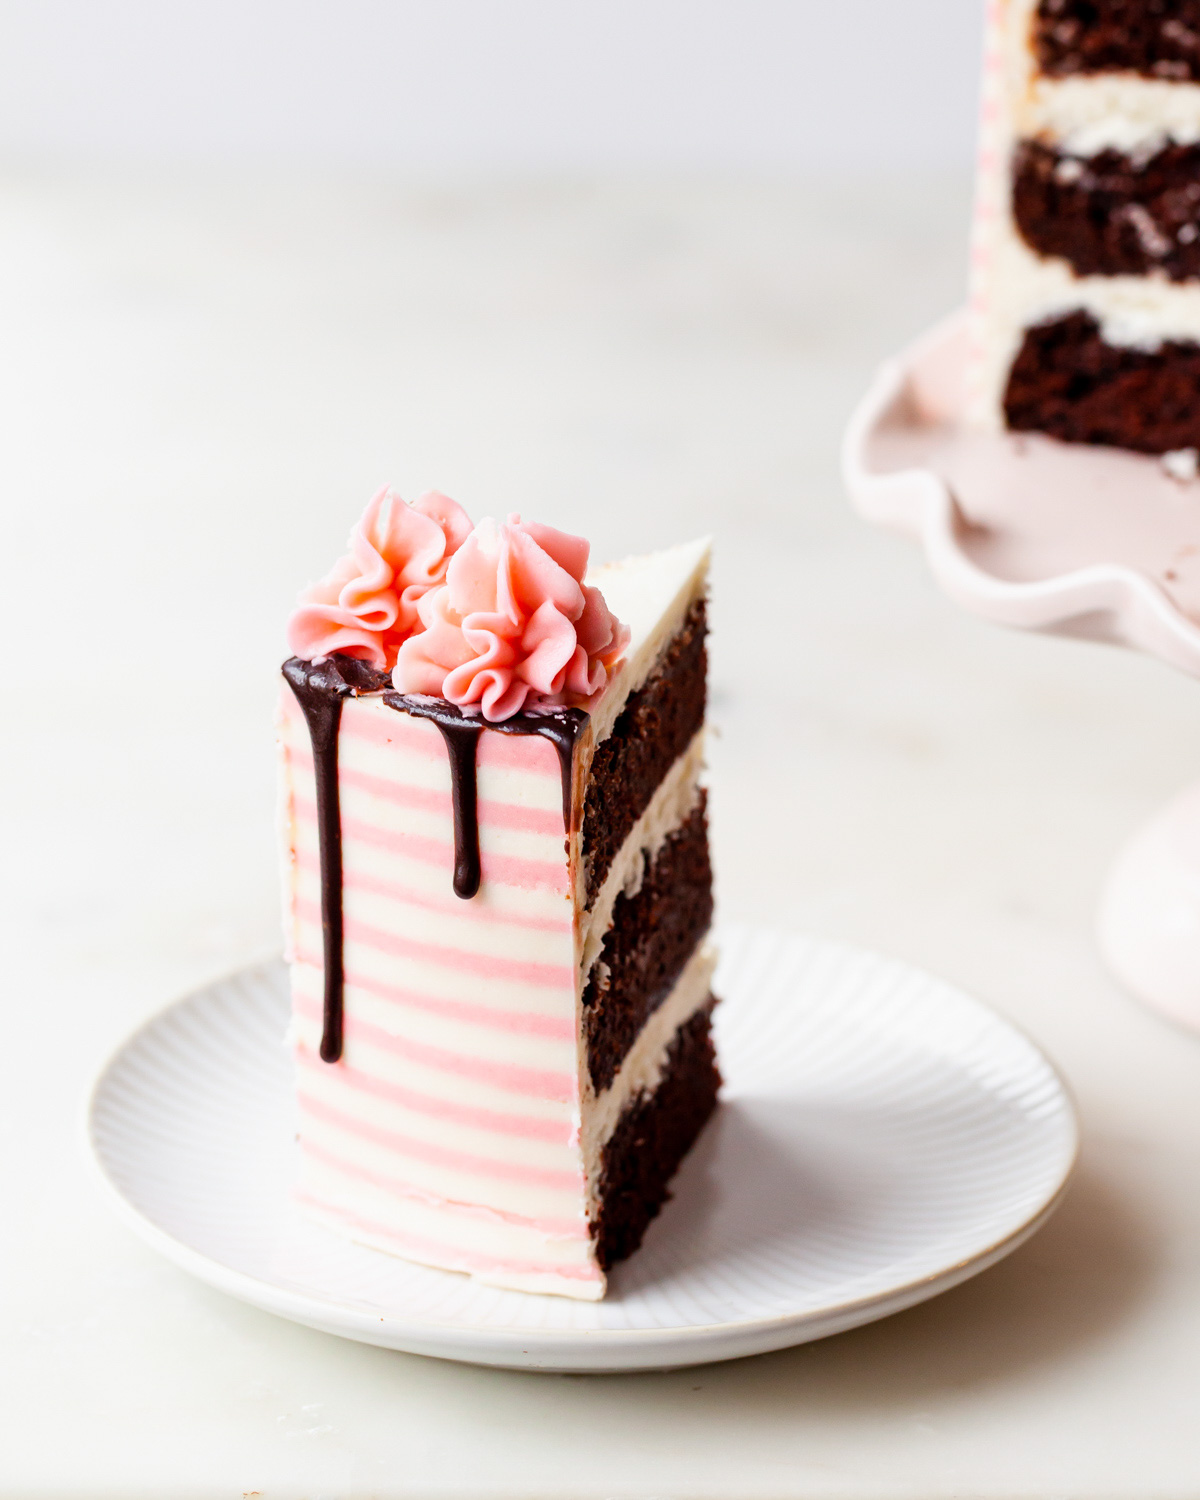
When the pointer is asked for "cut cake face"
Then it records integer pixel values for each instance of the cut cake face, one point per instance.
(1085, 304)
(501, 980)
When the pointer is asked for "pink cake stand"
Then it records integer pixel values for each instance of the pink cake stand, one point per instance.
(1068, 540)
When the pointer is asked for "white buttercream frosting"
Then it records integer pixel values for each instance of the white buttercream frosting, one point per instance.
(1025, 288)
(1089, 113)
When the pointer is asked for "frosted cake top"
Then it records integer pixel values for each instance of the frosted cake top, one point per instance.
(494, 618)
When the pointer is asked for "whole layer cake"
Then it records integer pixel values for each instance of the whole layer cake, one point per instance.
(498, 891)
(1086, 257)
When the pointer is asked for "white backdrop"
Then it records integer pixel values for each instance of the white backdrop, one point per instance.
(521, 85)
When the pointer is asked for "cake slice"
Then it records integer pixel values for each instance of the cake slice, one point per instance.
(1086, 258)
(497, 926)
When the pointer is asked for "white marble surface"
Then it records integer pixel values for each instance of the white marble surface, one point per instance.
(202, 381)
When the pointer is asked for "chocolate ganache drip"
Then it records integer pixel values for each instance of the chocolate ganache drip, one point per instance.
(462, 737)
(319, 687)
(561, 726)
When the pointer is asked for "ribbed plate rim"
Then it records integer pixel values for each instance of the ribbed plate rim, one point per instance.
(704, 1341)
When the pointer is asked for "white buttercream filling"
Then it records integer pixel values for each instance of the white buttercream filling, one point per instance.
(1012, 287)
(673, 799)
(1084, 115)
(642, 1067)
(651, 595)
(1024, 289)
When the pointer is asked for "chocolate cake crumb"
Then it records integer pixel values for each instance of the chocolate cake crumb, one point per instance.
(652, 937)
(654, 728)
(1068, 382)
(1109, 214)
(652, 1137)
(1156, 38)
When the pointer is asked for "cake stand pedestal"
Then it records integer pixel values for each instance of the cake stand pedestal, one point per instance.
(1038, 535)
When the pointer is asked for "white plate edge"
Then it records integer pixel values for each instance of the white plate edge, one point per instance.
(765, 1334)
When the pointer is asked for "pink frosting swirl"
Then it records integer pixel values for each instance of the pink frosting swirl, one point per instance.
(513, 626)
(368, 604)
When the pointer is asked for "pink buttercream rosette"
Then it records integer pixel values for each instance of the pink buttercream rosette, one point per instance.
(513, 626)
(369, 603)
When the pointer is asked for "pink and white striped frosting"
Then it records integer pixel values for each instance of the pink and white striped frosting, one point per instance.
(458, 1127)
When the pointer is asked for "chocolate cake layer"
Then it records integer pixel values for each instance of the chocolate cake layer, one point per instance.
(1156, 38)
(1066, 381)
(652, 1137)
(653, 935)
(655, 727)
(1108, 215)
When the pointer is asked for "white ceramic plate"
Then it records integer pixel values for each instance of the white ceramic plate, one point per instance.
(881, 1137)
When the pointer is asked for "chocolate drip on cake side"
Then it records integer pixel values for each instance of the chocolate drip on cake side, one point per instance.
(461, 736)
(320, 686)
(561, 726)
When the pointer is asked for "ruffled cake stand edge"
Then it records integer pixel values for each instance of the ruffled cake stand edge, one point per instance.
(1049, 537)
